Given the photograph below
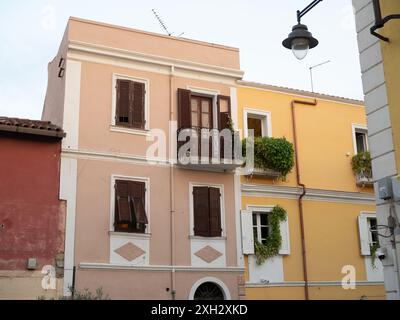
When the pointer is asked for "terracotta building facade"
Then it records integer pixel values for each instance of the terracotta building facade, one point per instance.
(32, 217)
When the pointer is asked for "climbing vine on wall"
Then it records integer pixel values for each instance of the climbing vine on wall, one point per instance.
(273, 243)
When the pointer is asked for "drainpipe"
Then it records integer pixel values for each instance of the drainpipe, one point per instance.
(172, 184)
(300, 200)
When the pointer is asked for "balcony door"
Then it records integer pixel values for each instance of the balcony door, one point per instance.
(202, 112)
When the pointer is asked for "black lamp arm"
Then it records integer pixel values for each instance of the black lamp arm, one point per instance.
(303, 12)
(379, 21)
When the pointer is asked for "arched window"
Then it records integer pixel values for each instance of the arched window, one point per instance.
(209, 291)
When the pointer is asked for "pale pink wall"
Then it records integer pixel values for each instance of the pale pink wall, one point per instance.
(93, 210)
(53, 109)
(96, 105)
(154, 44)
(114, 283)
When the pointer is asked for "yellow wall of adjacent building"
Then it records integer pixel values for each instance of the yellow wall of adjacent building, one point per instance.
(373, 292)
(331, 238)
(325, 139)
(325, 147)
(391, 59)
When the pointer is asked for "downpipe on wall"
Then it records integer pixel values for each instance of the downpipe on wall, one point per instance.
(300, 200)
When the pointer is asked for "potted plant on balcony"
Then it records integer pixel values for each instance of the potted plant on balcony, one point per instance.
(361, 165)
(273, 157)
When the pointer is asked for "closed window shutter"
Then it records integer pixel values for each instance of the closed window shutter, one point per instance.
(138, 105)
(201, 211)
(224, 111)
(184, 111)
(137, 192)
(364, 232)
(215, 212)
(123, 209)
(122, 116)
(247, 232)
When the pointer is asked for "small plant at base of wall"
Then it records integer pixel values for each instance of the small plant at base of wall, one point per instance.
(273, 242)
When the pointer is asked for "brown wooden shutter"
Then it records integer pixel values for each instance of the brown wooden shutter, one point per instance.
(123, 102)
(137, 191)
(215, 212)
(123, 210)
(201, 211)
(184, 111)
(224, 115)
(223, 119)
(138, 105)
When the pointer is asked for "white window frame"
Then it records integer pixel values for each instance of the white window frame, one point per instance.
(361, 129)
(258, 223)
(114, 127)
(146, 180)
(367, 215)
(266, 123)
(369, 229)
(285, 224)
(191, 208)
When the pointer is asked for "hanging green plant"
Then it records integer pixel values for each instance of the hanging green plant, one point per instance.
(273, 242)
(272, 153)
(374, 247)
(361, 165)
(230, 124)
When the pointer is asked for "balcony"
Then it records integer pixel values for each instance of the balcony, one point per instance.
(362, 169)
(363, 181)
(273, 158)
(264, 173)
(208, 150)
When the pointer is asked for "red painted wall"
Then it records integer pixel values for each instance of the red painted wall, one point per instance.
(32, 217)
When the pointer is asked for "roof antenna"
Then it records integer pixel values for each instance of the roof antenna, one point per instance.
(311, 73)
(163, 24)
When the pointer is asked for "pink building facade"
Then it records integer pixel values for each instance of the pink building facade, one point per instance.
(139, 224)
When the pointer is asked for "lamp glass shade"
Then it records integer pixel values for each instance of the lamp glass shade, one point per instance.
(300, 47)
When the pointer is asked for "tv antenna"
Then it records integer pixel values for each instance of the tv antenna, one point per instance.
(311, 74)
(163, 25)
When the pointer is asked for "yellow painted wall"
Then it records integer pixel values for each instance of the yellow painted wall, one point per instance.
(325, 139)
(331, 238)
(391, 59)
(374, 292)
(325, 146)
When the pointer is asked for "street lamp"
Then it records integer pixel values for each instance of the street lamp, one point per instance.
(300, 40)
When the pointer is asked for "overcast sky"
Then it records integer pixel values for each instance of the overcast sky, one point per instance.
(30, 33)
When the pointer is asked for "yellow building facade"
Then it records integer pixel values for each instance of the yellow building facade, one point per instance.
(380, 67)
(328, 242)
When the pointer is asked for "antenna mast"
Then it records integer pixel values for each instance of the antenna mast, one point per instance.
(311, 74)
(161, 22)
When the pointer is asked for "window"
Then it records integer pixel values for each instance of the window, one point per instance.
(130, 104)
(197, 110)
(368, 232)
(207, 212)
(256, 125)
(201, 112)
(259, 121)
(260, 226)
(373, 231)
(130, 203)
(360, 137)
